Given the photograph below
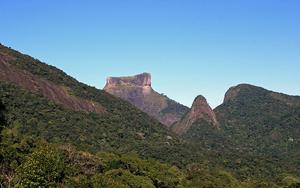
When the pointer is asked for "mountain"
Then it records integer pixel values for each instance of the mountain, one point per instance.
(262, 123)
(138, 91)
(254, 131)
(200, 111)
(42, 101)
(259, 115)
(58, 132)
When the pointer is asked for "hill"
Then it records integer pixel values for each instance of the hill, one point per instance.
(262, 123)
(254, 132)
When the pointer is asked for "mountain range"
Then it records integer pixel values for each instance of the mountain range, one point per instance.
(129, 135)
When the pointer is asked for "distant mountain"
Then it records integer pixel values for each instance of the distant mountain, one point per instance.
(200, 112)
(138, 91)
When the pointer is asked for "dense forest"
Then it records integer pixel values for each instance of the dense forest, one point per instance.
(45, 144)
(259, 133)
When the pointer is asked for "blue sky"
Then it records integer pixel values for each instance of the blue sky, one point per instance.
(190, 47)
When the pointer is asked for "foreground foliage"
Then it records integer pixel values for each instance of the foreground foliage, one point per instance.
(40, 164)
(32, 162)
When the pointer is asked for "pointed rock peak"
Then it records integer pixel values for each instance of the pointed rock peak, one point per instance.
(200, 111)
(140, 80)
(199, 100)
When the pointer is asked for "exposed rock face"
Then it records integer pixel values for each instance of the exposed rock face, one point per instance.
(233, 92)
(143, 80)
(138, 91)
(56, 93)
(200, 111)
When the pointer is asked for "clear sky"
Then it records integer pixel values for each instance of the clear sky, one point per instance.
(190, 47)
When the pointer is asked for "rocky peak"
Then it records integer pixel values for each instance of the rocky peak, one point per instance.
(200, 111)
(138, 91)
(200, 102)
(140, 80)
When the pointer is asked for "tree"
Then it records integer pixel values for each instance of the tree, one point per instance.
(43, 168)
(122, 178)
(2, 119)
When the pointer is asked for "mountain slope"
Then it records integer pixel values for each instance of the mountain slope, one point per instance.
(57, 93)
(255, 131)
(138, 91)
(42, 101)
(259, 112)
(262, 123)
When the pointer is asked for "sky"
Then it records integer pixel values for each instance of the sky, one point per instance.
(190, 47)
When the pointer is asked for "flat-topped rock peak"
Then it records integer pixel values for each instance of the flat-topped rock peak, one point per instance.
(139, 80)
(138, 91)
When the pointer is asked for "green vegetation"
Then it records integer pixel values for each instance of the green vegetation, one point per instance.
(37, 117)
(29, 163)
(175, 107)
(258, 136)
(45, 145)
(266, 125)
(2, 120)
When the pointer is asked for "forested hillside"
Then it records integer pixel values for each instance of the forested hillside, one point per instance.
(58, 132)
(258, 133)
(121, 127)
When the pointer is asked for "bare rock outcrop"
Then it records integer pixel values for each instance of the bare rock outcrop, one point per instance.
(138, 91)
(56, 93)
(200, 111)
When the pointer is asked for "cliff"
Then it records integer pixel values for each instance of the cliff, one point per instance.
(138, 91)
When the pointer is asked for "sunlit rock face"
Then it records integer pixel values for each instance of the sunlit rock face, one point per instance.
(140, 80)
(138, 91)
